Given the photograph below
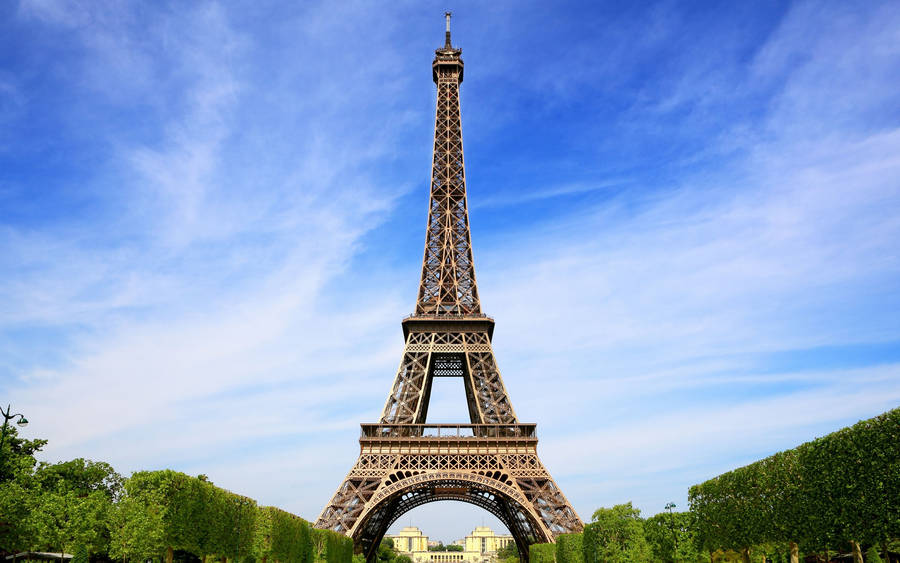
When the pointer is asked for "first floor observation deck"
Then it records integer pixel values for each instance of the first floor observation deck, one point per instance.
(448, 438)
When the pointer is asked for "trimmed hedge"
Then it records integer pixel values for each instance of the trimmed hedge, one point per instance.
(282, 536)
(193, 515)
(542, 553)
(824, 494)
(331, 547)
(165, 511)
(569, 548)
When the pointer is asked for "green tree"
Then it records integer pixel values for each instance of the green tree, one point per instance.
(15, 516)
(386, 551)
(616, 535)
(81, 555)
(17, 490)
(72, 503)
(82, 476)
(672, 537)
(507, 553)
(872, 555)
(62, 519)
(136, 529)
(17, 455)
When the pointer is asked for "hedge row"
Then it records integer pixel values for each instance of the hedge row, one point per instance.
(165, 511)
(567, 549)
(282, 536)
(837, 492)
(331, 547)
(542, 553)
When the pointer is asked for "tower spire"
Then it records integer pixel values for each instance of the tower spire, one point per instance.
(447, 44)
(448, 273)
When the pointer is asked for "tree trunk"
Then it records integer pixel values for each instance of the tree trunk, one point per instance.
(857, 552)
(745, 555)
(170, 554)
(795, 552)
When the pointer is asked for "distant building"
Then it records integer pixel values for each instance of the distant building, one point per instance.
(484, 540)
(481, 546)
(409, 541)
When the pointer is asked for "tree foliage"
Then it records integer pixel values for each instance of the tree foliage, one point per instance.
(17, 490)
(136, 528)
(441, 547)
(282, 536)
(673, 538)
(54, 507)
(82, 476)
(386, 551)
(17, 455)
(332, 547)
(62, 519)
(569, 548)
(872, 556)
(86, 507)
(186, 513)
(542, 553)
(81, 555)
(616, 535)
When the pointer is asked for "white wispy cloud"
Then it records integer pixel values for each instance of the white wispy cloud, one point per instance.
(204, 287)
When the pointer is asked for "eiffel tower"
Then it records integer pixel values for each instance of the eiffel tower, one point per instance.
(491, 462)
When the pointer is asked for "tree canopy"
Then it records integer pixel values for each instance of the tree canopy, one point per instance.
(615, 535)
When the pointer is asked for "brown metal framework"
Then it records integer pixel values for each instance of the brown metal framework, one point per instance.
(492, 462)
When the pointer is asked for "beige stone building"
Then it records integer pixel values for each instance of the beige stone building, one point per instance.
(410, 541)
(481, 546)
(483, 540)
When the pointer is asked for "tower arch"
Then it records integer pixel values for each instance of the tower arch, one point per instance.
(494, 493)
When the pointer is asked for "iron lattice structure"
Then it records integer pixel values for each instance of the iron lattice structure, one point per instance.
(491, 462)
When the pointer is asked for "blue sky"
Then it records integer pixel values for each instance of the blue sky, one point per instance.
(685, 219)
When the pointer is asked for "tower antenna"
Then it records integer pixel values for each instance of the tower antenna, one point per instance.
(447, 44)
